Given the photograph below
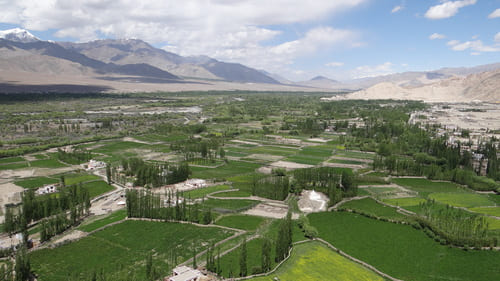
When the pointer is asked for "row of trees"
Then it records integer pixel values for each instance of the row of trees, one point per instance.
(75, 157)
(273, 187)
(75, 198)
(154, 174)
(168, 207)
(456, 226)
(196, 148)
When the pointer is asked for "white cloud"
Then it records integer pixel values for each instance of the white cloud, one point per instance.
(396, 9)
(497, 37)
(475, 54)
(227, 30)
(476, 45)
(447, 9)
(435, 36)
(373, 70)
(453, 43)
(494, 14)
(334, 64)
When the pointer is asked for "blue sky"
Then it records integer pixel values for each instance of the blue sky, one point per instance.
(341, 39)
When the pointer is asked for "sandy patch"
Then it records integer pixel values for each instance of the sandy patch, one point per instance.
(19, 173)
(290, 165)
(265, 170)
(340, 165)
(318, 140)
(129, 139)
(73, 235)
(268, 210)
(312, 201)
(245, 142)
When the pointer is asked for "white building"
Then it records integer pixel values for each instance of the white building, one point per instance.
(184, 273)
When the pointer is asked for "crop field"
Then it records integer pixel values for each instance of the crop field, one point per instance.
(370, 206)
(405, 202)
(47, 163)
(314, 261)
(312, 155)
(119, 146)
(230, 261)
(402, 251)
(121, 250)
(11, 160)
(380, 190)
(71, 179)
(35, 182)
(425, 186)
(467, 200)
(202, 192)
(228, 170)
(244, 222)
(14, 166)
(229, 204)
(346, 161)
(273, 150)
(113, 217)
(354, 154)
(492, 211)
(237, 193)
(97, 188)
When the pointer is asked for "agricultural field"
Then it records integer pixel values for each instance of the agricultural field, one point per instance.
(36, 182)
(354, 154)
(47, 163)
(346, 161)
(315, 261)
(202, 192)
(467, 200)
(492, 211)
(111, 218)
(311, 155)
(225, 171)
(402, 251)
(97, 188)
(231, 205)
(371, 207)
(116, 249)
(71, 179)
(14, 166)
(244, 222)
(236, 193)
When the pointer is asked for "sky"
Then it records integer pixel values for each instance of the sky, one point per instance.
(297, 39)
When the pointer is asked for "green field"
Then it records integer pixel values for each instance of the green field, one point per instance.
(405, 202)
(121, 250)
(314, 261)
(230, 261)
(11, 160)
(355, 154)
(372, 207)
(202, 192)
(272, 150)
(113, 217)
(228, 170)
(237, 193)
(402, 251)
(47, 163)
(346, 161)
(71, 179)
(14, 166)
(120, 146)
(311, 155)
(380, 190)
(229, 204)
(425, 186)
(243, 222)
(35, 182)
(97, 188)
(492, 211)
(467, 200)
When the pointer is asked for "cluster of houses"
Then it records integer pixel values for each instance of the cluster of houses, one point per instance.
(94, 165)
(186, 273)
(47, 189)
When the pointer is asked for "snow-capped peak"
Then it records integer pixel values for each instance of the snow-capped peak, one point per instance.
(18, 35)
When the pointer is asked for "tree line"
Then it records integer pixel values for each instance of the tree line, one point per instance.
(154, 174)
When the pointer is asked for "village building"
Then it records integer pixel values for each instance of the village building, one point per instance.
(46, 189)
(184, 273)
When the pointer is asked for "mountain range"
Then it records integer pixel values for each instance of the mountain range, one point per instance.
(134, 65)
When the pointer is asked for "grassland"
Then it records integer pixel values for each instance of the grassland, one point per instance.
(229, 204)
(424, 186)
(467, 200)
(47, 163)
(314, 261)
(492, 211)
(238, 193)
(230, 261)
(244, 222)
(11, 160)
(346, 161)
(202, 192)
(35, 182)
(14, 166)
(372, 207)
(71, 179)
(122, 250)
(228, 170)
(402, 251)
(97, 188)
(354, 154)
(404, 202)
(311, 155)
(113, 217)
